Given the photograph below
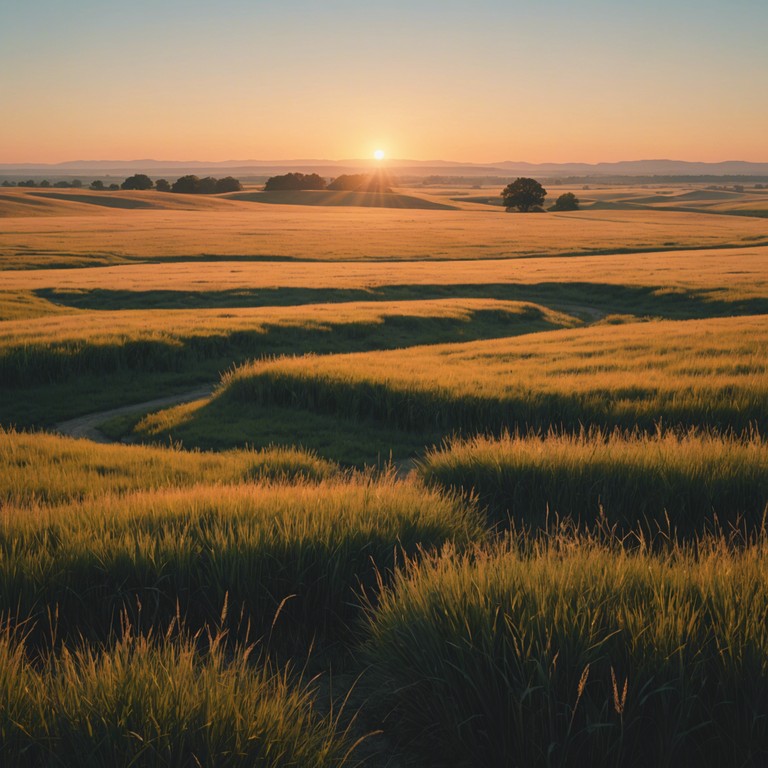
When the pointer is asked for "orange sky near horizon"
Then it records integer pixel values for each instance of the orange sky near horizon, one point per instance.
(556, 81)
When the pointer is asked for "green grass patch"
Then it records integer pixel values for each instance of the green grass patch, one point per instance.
(220, 423)
(574, 653)
(156, 703)
(287, 559)
(682, 482)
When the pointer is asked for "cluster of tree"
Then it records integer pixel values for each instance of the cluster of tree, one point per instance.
(528, 195)
(99, 186)
(45, 184)
(361, 182)
(189, 185)
(192, 185)
(294, 181)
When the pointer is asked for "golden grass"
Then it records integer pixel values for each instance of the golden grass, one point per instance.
(711, 372)
(43, 469)
(172, 326)
(741, 273)
(89, 234)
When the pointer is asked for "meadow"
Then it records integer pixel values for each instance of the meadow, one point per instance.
(469, 488)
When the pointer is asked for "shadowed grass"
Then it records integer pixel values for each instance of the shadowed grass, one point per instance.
(219, 424)
(298, 552)
(571, 653)
(679, 480)
(158, 703)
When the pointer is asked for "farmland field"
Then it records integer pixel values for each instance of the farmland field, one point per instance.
(433, 484)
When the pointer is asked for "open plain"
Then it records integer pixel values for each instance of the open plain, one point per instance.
(456, 487)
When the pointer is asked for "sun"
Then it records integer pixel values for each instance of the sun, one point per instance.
(379, 154)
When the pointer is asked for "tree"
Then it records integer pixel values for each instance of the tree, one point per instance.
(228, 184)
(186, 185)
(523, 194)
(207, 186)
(97, 185)
(114, 187)
(294, 181)
(45, 183)
(162, 185)
(566, 202)
(76, 183)
(137, 181)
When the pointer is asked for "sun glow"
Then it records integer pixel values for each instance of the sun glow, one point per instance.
(379, 154)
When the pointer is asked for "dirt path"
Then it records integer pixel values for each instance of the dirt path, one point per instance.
(87, 426)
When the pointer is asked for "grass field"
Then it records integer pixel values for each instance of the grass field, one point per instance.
(471, 488)
(40, 231)
(705, 373)
(674, 484)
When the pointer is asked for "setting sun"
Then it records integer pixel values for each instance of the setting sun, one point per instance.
(379, 154)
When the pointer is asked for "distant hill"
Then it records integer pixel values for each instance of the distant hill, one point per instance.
(403, 167)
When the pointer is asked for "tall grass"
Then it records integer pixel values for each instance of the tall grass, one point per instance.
(683, 481)
(573, 653)
(692, 373)
(57, 348)
(39, 468)
(287, 560)
(159, 703)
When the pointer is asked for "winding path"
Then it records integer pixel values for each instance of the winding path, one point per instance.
(88, 426)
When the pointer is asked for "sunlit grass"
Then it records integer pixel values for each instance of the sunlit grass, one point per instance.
(54, 348)
(46, 469)
(693, 373)
(71, 233)
(288, 559)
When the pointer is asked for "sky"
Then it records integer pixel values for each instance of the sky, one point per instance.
(481, 81)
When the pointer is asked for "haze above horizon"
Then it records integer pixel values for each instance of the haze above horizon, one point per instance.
(549, 82)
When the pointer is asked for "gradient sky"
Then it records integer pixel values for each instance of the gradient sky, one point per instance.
(482, 81)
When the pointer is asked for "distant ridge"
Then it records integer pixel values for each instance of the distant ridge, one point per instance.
(420, 168)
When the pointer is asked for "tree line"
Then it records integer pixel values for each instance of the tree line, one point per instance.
(190, 185)
(346, 182)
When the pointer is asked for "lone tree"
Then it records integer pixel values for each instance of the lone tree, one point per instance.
(523, 194)
(137, 181)
(162, 185)
(566, 202)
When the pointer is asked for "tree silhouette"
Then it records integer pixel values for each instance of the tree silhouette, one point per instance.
(228, 184)
(137, 181)
(162, 185)
(187, 185)
(523, 194)
(294, 181)
(566, 202)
